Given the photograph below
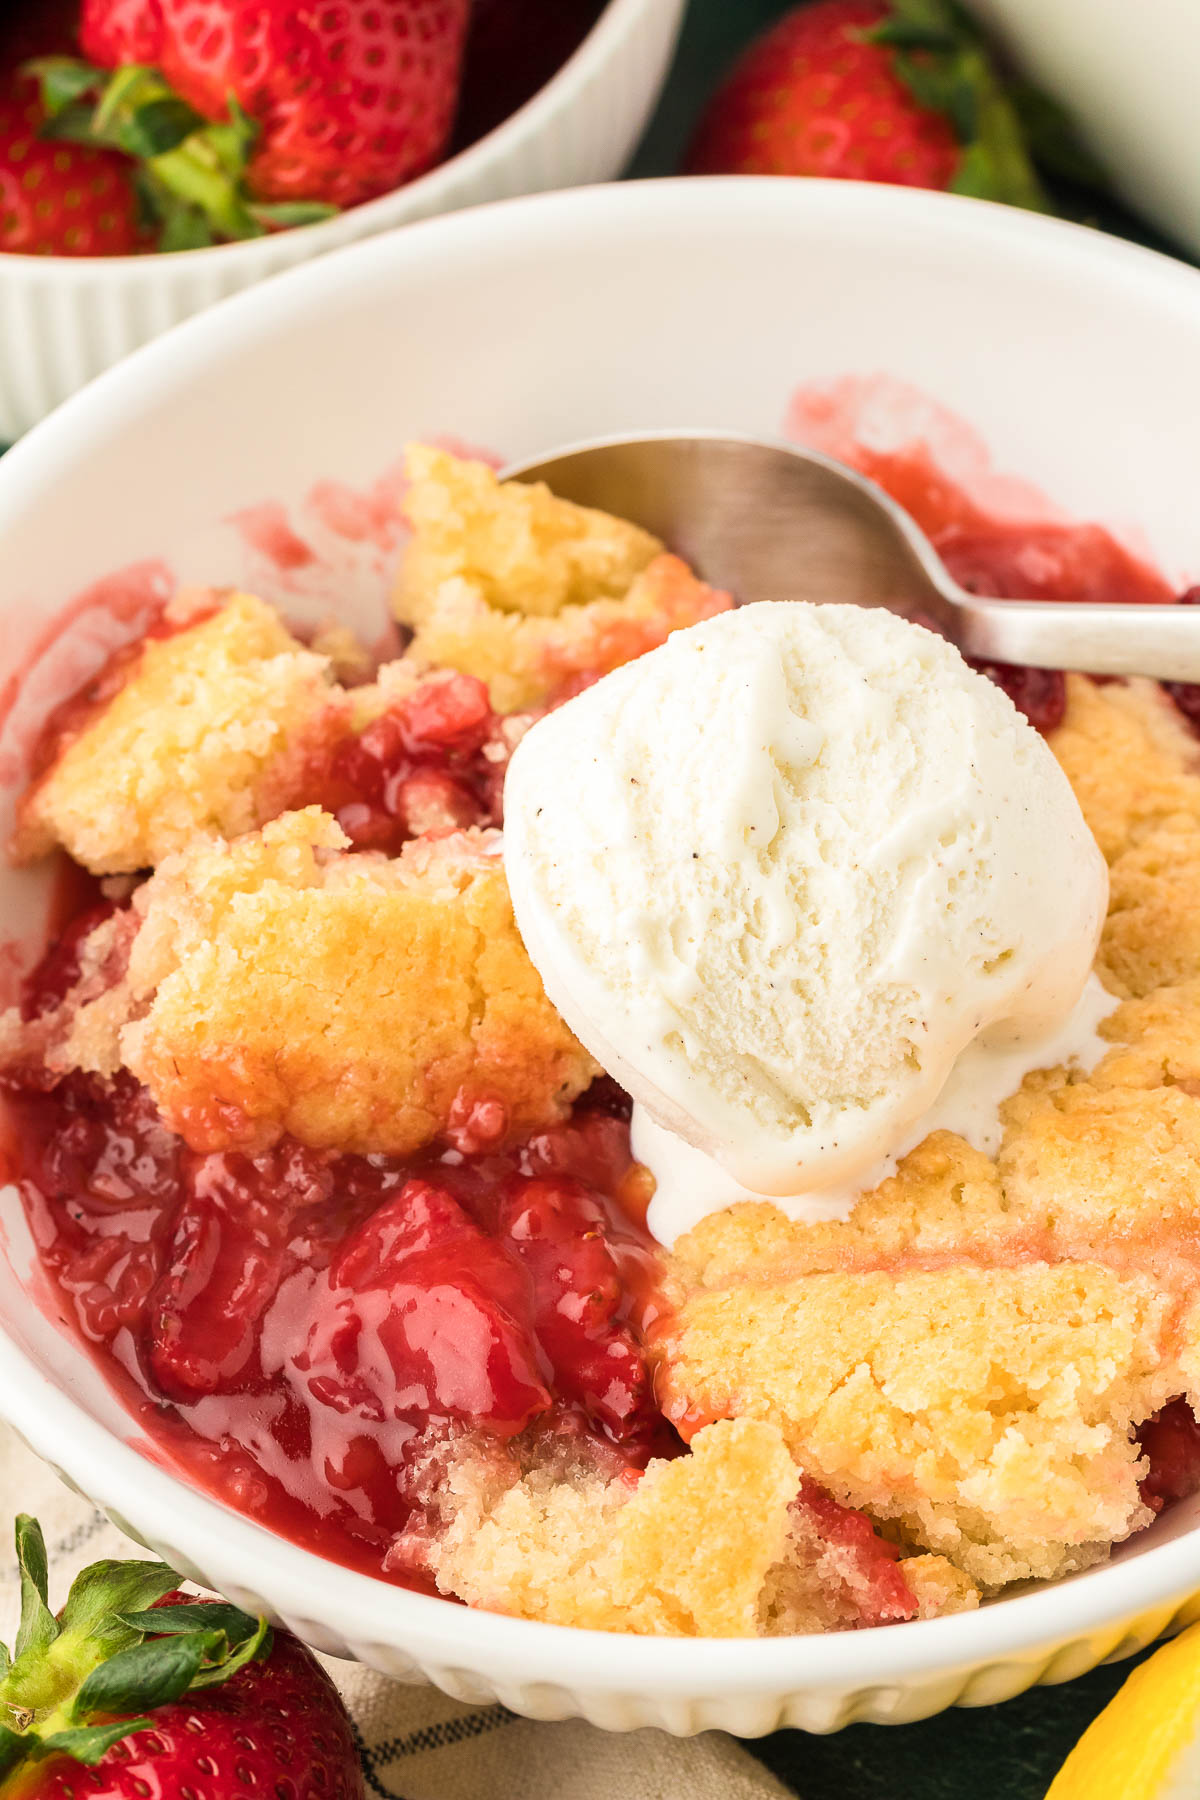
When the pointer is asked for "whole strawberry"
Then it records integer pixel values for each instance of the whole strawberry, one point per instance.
(899, 91)
(59, 199)
(161, 1694)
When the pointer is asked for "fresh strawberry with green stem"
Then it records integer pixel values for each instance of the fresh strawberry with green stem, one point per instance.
(248, 115)
(59, 199)
(159, 1693)
(902, 92)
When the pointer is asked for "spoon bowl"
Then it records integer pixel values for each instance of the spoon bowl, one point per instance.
(774, 521)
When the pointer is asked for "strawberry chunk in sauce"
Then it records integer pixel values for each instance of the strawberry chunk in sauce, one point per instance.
(555, 1231)
(432, 762)
(1170, 1442)
(423, 1314)
(867, 1566)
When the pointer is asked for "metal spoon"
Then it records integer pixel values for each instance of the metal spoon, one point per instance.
(772, 521)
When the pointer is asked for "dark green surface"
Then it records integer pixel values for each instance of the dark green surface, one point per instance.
(1008, 1752)
(713, 33)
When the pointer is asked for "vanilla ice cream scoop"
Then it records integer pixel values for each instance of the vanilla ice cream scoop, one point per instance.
(779, 873)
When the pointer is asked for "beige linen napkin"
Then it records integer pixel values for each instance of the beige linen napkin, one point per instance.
(416, 1743)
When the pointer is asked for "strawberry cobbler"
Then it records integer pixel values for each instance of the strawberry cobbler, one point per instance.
(349, 1215)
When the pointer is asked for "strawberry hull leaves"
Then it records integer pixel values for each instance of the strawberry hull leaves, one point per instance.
(111, 1651)
(1006, 129)
(161, 1694)
(190, 175)
(167, 1621)
(38, 1627)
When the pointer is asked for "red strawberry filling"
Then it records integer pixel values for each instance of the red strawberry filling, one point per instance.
(422, 1313)
(290, 1325)
(433, 762)
(854, 1556)
(1170, 1442)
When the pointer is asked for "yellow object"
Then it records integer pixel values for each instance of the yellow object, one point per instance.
(1145, 1745)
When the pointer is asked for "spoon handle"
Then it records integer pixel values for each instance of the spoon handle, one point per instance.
(1135, 639)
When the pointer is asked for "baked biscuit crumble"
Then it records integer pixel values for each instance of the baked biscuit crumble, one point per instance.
(528, 592)
(209, 732)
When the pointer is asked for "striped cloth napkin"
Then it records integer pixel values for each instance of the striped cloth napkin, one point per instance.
(416, 1743)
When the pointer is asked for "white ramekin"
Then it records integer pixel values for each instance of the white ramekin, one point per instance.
(518, 327)
(64, 319)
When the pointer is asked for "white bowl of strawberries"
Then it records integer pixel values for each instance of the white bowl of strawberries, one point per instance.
(153, 198)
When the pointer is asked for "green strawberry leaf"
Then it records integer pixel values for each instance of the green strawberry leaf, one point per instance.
(233, 142)
(72, 125)
(130, 83)
(62, 80)
(87, 1744)
(185, 228)
(207, 1615)
(948, 17)
(1053, 140)
(139, 114)
(288, 213)
(157, 125)
(38, 1628)
(909, 36)
(244, 1639)
(939, 84)
(13, 1748)
(102, 1595)
(923, 25)
(5, 1661)
(193, 174)
(995, 164)
(178, 225)
(256, 1648)
(148, 1675)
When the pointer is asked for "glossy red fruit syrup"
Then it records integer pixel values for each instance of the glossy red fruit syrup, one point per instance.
(294, 1327)
(433, 762)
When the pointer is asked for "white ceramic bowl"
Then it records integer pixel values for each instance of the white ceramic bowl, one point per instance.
(64, 319)
(1130, 76)
(522, 326)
